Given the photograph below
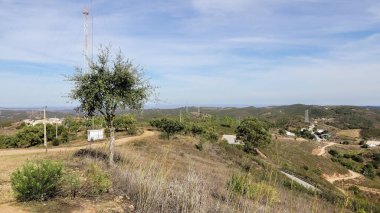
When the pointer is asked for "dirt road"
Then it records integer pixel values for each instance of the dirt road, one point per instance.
(13, 158)
(321, 151)
(338, 177)
(121, 141)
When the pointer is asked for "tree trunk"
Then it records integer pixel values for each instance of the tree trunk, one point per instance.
(112, 145)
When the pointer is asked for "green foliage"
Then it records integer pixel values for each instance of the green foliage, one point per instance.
(370, 133)
(8, 142)
(56, 142)
(71, 184)
(112, 83)
(97, 181)
(126, 122)
(358, 158)
(253, 133)
(333, 152)
(95, 121)
(281, 131)
(305, 134)
(72, 124)
(369, 171)
(197, 129)
(242, 184)
(30, 136)
(355, 190)
(168, 126)
(37, 181)
(227, 121)
(199, 145)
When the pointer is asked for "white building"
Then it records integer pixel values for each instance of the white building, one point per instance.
(95, 134)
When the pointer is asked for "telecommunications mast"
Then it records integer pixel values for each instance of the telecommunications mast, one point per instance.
(85, 50)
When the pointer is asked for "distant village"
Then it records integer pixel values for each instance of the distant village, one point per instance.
(55, 121)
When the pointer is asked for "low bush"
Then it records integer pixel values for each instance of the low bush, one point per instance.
(56, 142)
(333, 152)
(97, 154)
(37, 181)
(369, 171)
(71, 184)
(242, 184)
(358, 158)
(97, 181)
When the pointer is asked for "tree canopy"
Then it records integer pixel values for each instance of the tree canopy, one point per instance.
(112, 83)
(254, 133)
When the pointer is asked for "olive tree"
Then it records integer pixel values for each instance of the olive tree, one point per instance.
(254, 133)
(112, 83)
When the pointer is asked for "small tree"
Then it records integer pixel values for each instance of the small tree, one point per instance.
(253, 133)
(125, 122)
(170, 127)
(112, 83)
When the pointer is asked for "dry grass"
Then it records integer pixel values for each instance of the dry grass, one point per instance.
(349, 133)
(173, 176)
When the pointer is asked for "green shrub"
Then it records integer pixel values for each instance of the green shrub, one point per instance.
(56, 142)
(368, 171)
(358, 158)
(71, 184)
(37, 181)
(97, 181)
(242, 184)
(199, 145)
(333, 152)
(210, 136)
(355, 190)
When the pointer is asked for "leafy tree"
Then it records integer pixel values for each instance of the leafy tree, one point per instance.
(126, 122)
(197, 129)
(112, 83)
(254, 133)
(169, 127)
(227, 121)
(30, 136)
(72, 124)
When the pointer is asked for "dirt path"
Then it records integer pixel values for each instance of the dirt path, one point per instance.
(338, 177)
(13, 158)
(321, 151)
(121, 141)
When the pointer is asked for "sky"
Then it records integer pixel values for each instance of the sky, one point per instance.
(199, 52)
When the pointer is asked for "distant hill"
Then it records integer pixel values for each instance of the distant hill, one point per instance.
(344, 117)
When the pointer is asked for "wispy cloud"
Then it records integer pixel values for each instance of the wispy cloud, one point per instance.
(202, 51)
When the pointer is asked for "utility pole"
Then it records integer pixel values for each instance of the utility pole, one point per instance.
(180, 116)
(56, 130)
(45, 137)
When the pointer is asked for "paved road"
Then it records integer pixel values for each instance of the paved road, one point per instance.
(302, 182)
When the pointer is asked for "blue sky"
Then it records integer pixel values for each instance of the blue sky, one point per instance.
(200, 52)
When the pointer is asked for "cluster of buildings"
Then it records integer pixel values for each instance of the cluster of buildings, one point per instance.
(52, 121)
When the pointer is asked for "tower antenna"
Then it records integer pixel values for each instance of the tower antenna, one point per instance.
(85, 51)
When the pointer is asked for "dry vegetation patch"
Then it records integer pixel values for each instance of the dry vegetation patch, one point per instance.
(349, 133)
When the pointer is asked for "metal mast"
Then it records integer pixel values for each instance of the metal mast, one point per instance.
(85, 51)
(307, 116)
